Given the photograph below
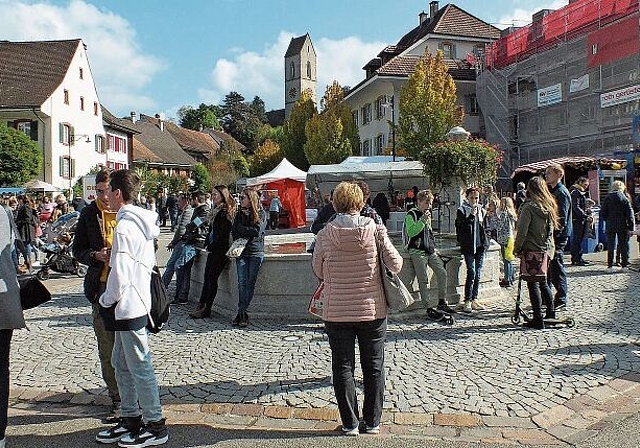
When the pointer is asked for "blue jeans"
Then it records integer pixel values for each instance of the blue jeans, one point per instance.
(5, 346)
(557, 276)
(508, 266)
(248, 268)
(131, 359)
(342, 340)
(474, 269)
(171, 264)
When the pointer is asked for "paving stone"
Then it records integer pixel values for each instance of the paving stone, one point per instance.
(456, 420)
(278, 412)
(251, 410)
(530, 437)
(508, 422)
(552, 416)
(401, 418)
(316, 414)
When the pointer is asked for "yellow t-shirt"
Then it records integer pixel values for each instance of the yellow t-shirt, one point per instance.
(108, 224)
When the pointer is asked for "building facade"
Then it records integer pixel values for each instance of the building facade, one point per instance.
(300, 71)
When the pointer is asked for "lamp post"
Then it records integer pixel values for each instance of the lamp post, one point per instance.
(391, 104)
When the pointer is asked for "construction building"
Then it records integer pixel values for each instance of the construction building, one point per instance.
(568, 84)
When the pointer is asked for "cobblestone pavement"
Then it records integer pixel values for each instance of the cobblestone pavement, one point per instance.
(481, 379)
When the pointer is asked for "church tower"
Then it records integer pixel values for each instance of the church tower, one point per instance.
(300, 71)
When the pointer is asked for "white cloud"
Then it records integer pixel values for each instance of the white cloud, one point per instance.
(522, 16)
(119, 66)
(251, 73)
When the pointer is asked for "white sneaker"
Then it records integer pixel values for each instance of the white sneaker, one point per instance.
(467, 308)
(2, 443)
(477, 306)
(351, 432)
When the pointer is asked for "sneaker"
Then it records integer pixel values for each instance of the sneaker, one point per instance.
(351, 432)
(150, 434)
(125, 426)
(244, 320)
(477, 306)
(445, 308)
(558, 305)
(236, 322)
(372, 429)
(466, 308)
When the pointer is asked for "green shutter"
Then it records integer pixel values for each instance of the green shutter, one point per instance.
(61, 132)
(95, 143)
(61, 165)
(34, 131)
(72, 135)
(73, 168)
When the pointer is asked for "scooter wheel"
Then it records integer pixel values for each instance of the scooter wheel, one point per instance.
(515, 320)
(571, 322)
(450, 321)
(42, 275)
(81, 271)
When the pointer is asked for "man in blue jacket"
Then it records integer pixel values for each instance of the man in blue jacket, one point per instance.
(557, 274)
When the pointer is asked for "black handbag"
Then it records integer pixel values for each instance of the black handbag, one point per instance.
(33, 293)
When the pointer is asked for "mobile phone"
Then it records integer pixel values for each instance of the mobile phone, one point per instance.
(197, 221)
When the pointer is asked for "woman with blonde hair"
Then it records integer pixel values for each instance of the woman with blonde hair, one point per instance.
(534, 233)
(346, 260)
(220, 219)
(505, 236)
(250, 223)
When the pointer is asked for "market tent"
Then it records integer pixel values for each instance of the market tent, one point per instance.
(289, 181)
(39, 185)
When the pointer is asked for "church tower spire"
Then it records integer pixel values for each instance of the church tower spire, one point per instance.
(300, 71)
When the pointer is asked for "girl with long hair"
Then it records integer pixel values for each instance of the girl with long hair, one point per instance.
(505, 236)
(534, 233)
(220, 220)
(250, 223)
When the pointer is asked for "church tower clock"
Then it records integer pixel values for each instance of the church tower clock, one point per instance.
(300, 71)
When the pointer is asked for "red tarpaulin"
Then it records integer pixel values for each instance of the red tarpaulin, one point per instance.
(291, 194)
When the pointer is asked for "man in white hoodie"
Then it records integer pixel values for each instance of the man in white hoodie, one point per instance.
(125, 306)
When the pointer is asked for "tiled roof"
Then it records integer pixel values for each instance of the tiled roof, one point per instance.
(221, 137)
(31, 71)
(143, 154)
(295, 46)
(193, 141)
(405, 65)
(121, 124)
(160, 143)
(275, 117)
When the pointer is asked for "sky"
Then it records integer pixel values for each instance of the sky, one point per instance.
(155, 56)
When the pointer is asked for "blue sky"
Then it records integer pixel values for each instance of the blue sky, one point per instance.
(155, 56)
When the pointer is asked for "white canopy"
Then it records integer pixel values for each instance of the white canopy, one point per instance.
(285, 170)
(40, 186)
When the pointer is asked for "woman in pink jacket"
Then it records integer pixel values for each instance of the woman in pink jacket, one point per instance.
(346, 259)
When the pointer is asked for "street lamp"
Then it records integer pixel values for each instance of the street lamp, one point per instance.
(457, 134)
(389, 102)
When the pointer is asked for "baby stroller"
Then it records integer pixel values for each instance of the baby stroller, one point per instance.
(59, 258)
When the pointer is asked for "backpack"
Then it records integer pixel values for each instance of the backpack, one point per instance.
(160, 303)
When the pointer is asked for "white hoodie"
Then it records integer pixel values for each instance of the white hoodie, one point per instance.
(132, 258)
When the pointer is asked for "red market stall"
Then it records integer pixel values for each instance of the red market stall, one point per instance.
(289, 181)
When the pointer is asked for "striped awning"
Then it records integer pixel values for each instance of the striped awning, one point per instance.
(576, 162)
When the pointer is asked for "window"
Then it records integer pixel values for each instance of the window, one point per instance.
(354, 115)
(81, 73)
(24, 127)
(116, 144)
(100, 143)
(66, 96)
(478, 51)
(95, 108)
(366, 113)
(66, 167)
(65, 132)
(292, 70)
(81, 103)
(366, 147)
(448, 50)
(380, 144)
(472, 105)
(380, 109)
(308, 69)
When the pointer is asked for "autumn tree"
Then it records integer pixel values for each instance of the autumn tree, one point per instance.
(293, 132)
(427, 105)
(267, 157)
(332, 136)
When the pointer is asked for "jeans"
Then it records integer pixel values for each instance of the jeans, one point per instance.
(274, 217)
(248, 268)
(371, 336)
(216, 262)
(535, 291)
(183, 281)
(420, 263)
(137, 382)
(557, 276)
(622, 247)
(105, 339)
(173, 217)
(5, 347)
(508, 266)
(171, 264)
(474, 270)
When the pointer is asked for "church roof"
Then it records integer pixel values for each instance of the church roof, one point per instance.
(31, 71)
(295, 46)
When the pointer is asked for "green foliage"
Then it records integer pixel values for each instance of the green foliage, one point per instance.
(204, 117)
(226, 166)
(427, 105)
(78, 188)
(266, 132)
(20, 157)
(331, 136)
(201, 178)
(153, 182)
(267, 157)
(472, 162)
(243, 120)
(294, 137)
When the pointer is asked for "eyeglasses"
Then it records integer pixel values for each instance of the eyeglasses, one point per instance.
(99, 191)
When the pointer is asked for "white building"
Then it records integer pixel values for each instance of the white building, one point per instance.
(47, 91)
(375, 100)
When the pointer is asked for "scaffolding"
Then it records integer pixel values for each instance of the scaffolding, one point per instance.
(541, 88)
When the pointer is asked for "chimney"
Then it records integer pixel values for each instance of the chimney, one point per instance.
(133, 116)
(433, 9)
(423, 17)
(160, 122)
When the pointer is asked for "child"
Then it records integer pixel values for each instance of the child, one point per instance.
(506, 225)
(589, 225)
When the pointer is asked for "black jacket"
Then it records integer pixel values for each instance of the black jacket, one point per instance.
(219, 232)
(198, 228)
(324, 216)
(578, 204)
(617, 212)
(88, 239)
(565, 215)
(465, 225)
(243, 228)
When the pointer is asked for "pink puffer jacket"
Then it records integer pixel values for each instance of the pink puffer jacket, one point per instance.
(346, 258)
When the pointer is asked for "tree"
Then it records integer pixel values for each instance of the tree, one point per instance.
(204, 117)
(243, 120)
(427, 105)
(332, 136)
(267, 157)
(20, 157)
(201, 178)
(293, 132)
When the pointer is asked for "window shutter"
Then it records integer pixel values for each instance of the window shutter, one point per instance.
(72, 135)
(61, 165)
(96, 144)
(72, 164)
(34, 131)
(61, 132)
